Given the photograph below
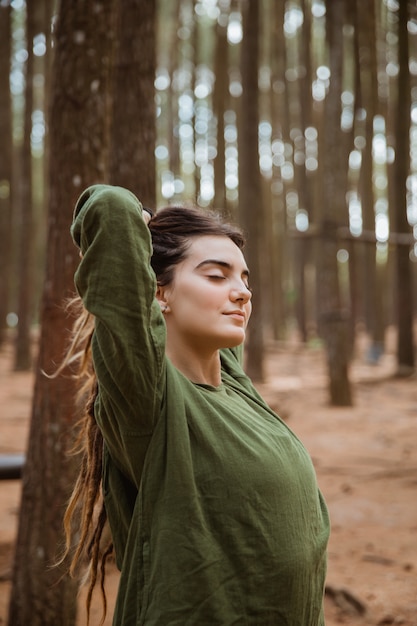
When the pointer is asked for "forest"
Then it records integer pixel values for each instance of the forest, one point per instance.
(295, 118)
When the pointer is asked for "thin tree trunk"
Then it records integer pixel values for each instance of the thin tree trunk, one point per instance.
(405, 344)
(333, 320)
(302, 248)
(45, 12)
(220, 100)
(173, 124)
(5, 165)
(278, 217)
(250, 193)
(23, 359)
(374, 315)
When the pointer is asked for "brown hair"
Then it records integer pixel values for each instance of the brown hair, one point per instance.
(171, 229)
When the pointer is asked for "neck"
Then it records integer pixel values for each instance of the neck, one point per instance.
(203, 369)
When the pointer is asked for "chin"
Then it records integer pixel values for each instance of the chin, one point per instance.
(233, 342)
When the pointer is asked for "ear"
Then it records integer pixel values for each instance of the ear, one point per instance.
(161, 296)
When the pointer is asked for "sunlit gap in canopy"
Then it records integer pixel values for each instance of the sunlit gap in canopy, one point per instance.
(234, 28)
(382, 155)
(231, 155)
(321, 83)
(318, 9)
(17, 5)
(265, 151)
(207, 9)
(38, 132)
(293, 20)
(39, 45)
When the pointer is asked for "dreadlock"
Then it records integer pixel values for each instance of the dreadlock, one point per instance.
(85, 516)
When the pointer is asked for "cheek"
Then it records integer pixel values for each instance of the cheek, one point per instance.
(195, 297)
(204, 294)
(249, 310)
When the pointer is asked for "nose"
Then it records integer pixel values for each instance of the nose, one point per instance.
(241, 293)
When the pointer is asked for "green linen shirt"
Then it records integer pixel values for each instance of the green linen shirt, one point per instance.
(212, 501)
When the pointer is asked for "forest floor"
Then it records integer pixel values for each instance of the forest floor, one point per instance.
(366, 462)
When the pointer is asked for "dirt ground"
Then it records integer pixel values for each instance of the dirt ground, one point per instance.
(366, 462)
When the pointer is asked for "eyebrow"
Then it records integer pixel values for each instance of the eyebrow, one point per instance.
(224, 264)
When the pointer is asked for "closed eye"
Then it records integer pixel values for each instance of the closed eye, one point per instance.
(215, 277)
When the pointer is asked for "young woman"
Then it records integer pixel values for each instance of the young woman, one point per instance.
(212, 502)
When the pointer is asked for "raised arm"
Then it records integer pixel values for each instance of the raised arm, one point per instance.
(117, 286)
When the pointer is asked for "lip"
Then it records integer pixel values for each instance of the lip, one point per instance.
(238, 315)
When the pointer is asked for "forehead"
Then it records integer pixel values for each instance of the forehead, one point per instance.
(217, 248)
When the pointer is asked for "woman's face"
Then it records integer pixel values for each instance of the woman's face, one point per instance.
(208, 302)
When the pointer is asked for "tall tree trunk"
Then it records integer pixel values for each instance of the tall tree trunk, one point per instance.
(220, 101)
(5, 164)
(45, 12)
(404, 300)
(25, 211)
(168, 54)
(355, 248)
(250, 193)
(176, 60)
(41, 594)
(192, 58)
(276, 227)
(333, 320)
(302, 248)
(133, 134)
(367, 68)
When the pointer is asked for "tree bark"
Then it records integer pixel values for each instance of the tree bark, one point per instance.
(404, 299)
(220, 101)
(250, 194)
(133, 134)
(5, 165)
(23, 359)
(332, 318)
(43, 595)
(367, 70)
(277, 224)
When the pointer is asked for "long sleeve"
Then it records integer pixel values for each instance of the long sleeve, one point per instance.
(117, 285)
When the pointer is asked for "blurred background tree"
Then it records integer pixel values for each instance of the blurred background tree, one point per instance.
(334, 188)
